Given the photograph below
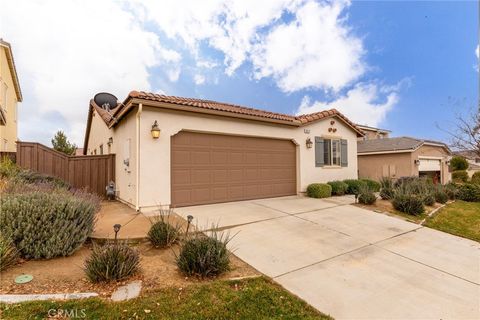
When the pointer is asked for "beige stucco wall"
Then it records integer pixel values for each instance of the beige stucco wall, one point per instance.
(8, 133)
(155, 154)
(394, 165)
(373, 134)
(376, 166)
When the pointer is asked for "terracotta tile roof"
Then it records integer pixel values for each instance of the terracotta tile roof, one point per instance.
(211, 105)
(203, 105)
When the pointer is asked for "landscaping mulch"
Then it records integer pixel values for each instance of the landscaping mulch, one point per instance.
(65, 275)
(386, 207)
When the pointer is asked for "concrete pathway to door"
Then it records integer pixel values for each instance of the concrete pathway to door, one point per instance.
(350, 262)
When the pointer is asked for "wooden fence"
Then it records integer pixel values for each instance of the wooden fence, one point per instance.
(90, 172)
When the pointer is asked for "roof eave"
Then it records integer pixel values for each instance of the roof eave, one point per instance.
(13, 69)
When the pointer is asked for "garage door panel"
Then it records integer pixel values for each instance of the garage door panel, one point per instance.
(209, 168)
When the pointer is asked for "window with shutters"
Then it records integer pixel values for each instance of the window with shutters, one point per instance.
(330, 152)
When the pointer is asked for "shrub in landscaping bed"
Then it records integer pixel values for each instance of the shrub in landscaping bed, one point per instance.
(451, 189)
(204, 256)
(48, 224)
(440, 195)
(339, 188)
(429, 199)
(32, 177)
(366, 196)
(469, 192)
(408, 203)
(112, 262)
(354, 185)
(319, 190)
(8, 252)
(386, 188)
(163, 233)
(460, 176)
(476, 178)
(372, 184)
(8, 168)
(458, 163)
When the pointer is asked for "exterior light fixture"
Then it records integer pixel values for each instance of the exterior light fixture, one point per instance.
(309, 143)
(189, 220)
(155, 130)
(116, 228)
(417, 162)
(110, 141)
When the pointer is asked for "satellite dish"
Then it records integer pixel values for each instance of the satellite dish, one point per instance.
(106, 100)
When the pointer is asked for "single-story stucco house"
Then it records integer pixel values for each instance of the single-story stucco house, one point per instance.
(210, 152)
(403, 157)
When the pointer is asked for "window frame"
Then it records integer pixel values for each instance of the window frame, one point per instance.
(329, 155)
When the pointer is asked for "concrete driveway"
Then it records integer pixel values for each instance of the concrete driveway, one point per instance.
(352, 263)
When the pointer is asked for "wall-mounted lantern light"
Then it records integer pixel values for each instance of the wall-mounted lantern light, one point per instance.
(155, 130)
(110, 141)
(309, 143)
(417, 162)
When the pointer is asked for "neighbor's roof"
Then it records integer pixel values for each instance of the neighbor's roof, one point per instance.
(399, 144)
(11, 66)
(368, 128)
(209, 107)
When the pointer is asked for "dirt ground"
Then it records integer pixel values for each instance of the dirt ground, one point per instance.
(65, 275)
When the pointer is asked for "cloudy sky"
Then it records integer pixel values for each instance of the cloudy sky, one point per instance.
(405, 66)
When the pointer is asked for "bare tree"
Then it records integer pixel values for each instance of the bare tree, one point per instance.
(465, 136)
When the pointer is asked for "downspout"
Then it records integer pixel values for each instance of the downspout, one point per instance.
(137, 154)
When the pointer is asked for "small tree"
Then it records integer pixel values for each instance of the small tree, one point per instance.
(465, 135)
(459, 163)
(61, 143)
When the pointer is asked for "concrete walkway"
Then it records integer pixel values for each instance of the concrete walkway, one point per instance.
(350, 262)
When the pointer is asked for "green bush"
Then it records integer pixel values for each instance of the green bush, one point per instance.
(354, 185)
(458, 163)
(372, 184)
(408, 202)
(8, 252)
(429, 199)
(163, 233)
(204, 256)
(451, 189)
(440, 195)
(111, 262)
(386, 188)
(32, 177)
(8, 168)
(460, 176)
(366, 196)
(476, 178)
(469, 192)
(48, 224)
(339, 188)
(319, 190)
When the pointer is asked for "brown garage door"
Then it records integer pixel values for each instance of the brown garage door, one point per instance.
(211, 168)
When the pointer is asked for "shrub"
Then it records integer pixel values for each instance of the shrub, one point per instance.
(469, 192)
(48, 224)
(8, 252)
(440, 195)
(458, 163)
(451, 190)
(366, 196)
(32, 177)
(319, 190)
(460, 176)
(163, 233)
(372, 184)
(429, 199)
(476, 178)
(204, 256)
(386, 188)
(408, 203)
(8, 168)
(354, 185)
(111, 262)
(339, 188)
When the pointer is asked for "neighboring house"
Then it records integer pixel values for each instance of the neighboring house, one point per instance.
(473, 159)
(402, 157)
(209, 152)
(372, 133)
(10, 95)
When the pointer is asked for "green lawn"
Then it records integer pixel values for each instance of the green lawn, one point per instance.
(459, 218)
(244, 299)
